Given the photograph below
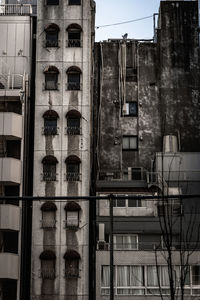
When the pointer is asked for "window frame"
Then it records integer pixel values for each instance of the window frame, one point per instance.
(124, 236)
(138, 202)
(129, 137)
(52, 4)
(127, 113)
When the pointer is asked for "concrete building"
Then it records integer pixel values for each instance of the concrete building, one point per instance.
(15, 68)
(62, 150)
(146, 143)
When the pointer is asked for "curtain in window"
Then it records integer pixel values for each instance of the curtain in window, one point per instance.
(72, 218)
(152, 276)
(164, 276)
(105, 280)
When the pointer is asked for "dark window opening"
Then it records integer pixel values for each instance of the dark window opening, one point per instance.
(131, 74)
(9, 242)
(72, 268)
(73, 171)
(9, 289)
(52, 2)
(49, 168)
(73, 126)
(51, 81)
(134, 203)
(73, 81)
(119, 202)
(11, 106)
(50, 126)
(10, 190)
(74, 2)
(74, 39)
(10, 148)
(131, 109)
(51, 39)
(136, 174)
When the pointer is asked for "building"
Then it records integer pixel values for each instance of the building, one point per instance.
(15, 74)
(146, 143)
(62, 149)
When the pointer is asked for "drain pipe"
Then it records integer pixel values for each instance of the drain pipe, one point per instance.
(199, 19)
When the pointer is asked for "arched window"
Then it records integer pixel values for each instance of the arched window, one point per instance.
(51, 78)
(72, 259)
(50, 122)
(48, 265)
(49, 168)
(48, 214)
(52, 31)
(73, 122)
(74, 35)
(72, 214)
(73, 78)
(73, 168)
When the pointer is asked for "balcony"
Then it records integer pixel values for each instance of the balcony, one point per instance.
(10, 170)
(15, 9)
(9, 217)
(11, 84)
(11, 124)
(9, 266)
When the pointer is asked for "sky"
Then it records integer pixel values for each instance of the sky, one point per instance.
(115, 11)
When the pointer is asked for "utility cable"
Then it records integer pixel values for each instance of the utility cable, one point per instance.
(125, 22)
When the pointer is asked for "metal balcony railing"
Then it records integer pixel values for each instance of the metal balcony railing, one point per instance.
(73, 176)
(49, 176)
(48, 223)
(73, 130)
(11, 81)
(74, 43)
(73, 86)
(48, 274)
(15, 9)
(50, 130)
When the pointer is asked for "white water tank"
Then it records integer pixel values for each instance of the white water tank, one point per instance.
(170, 144)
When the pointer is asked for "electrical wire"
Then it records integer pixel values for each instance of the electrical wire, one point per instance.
(125, 22)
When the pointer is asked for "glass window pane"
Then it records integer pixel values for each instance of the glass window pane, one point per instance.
(121, 202)
(132, 203)
(125, 142)
(133, 142)
(152, 277)
(133, 108)
(196, 275)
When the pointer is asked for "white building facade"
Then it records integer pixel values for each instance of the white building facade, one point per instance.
(62, 149)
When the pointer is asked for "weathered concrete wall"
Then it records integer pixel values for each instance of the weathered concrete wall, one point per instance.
(179, 72)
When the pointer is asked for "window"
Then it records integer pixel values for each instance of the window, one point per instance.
(171, 207)
(73, 78)
(130, 143)
(73, 168)
(73, 122)
(131, 74)
(74, 35)
(125, 242)
(74, 2)
(49, 168)
(72, 259)
(52, 2)
(48, 215)
(52, 31)
(51, 78)
(131, 109)
(195, 275)
(48, 258)
(72, 215)
(50, 122)
(148, 280)
(128, 280)
(127, 202)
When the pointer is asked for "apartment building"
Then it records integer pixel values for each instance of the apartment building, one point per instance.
(15, 68)
(62, 150)
(146, 143)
